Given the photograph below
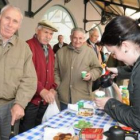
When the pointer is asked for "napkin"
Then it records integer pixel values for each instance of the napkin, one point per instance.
(74, 107)
(49, 133)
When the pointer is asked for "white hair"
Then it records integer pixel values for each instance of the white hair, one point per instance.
(92, 31)
(11, 7)
(78, 29)
(39, 27)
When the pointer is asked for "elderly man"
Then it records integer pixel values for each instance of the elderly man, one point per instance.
(70, 62)
(91, 42)
(60, 43)
(93, 38)
(17, 74)
(43, 58)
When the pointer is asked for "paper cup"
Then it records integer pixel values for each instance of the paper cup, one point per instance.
(83, 74)
(99, 94)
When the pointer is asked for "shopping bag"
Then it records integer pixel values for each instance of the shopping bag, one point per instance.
(51, 110)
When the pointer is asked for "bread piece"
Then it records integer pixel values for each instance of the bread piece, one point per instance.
(56, 138)
(63, 136)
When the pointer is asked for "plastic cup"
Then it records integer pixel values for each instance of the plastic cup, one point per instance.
(83, 73)
(80, 105)
(99, 94)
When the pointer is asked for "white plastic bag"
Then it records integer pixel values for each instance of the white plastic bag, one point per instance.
(51, 110)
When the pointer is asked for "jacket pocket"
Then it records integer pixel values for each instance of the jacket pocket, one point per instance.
(13, 71)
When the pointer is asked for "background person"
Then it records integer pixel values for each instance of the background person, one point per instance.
(69, 63)
(93, 39)
(122, 39)
(43, 58)
(17, 74)
(101, 55)
(60, 43)
(91, 42)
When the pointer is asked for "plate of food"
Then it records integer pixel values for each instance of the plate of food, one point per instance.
(65, 136)
(82, 124)
(85, 112)
(55, 133)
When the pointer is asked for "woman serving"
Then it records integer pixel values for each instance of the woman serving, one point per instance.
(122, 38)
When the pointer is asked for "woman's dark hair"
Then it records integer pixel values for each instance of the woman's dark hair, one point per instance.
(120, 29)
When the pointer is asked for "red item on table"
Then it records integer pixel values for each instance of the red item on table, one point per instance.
(126, 128)
(92, 133)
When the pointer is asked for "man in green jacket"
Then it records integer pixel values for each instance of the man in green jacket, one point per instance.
(70, 62)
(18, 79)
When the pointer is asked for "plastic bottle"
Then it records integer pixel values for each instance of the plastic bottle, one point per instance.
(125, 96)
(104, 70)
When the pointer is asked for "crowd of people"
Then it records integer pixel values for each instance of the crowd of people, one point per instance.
(33, 75)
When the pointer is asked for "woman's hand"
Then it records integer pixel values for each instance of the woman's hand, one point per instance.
(100, 102)
(113, 70)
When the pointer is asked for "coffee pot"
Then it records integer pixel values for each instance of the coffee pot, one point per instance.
(117, 133)
(106, 85)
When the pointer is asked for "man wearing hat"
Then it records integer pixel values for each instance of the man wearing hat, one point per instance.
(43, 58)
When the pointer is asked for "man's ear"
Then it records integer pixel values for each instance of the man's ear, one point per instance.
(36, 30)
(71, 37)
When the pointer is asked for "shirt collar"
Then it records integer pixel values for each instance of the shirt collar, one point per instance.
(4, 43)
(93, 44)
(12, 39)
(60, 45)
(136, 63)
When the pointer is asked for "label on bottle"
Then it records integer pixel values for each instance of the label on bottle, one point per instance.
(125, 96)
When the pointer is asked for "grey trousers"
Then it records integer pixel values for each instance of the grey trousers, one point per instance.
(5, 121)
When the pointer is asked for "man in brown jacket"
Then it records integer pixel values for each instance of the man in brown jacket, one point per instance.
(17, 74)
(70, 62)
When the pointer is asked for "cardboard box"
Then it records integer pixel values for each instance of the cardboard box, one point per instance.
(92, 133)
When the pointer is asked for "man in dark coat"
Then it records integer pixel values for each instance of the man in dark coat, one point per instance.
(91, 42)
(93, 38)
(60, 43)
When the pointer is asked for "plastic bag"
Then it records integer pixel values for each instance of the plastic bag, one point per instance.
(51, 110)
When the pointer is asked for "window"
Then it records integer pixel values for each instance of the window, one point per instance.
(63, 21)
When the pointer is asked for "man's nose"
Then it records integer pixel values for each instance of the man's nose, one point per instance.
(10, 23)
(78, 40)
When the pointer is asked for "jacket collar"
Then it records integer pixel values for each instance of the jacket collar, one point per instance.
(136, 63)
(9, 41)
(77, 50)
(12, 40)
